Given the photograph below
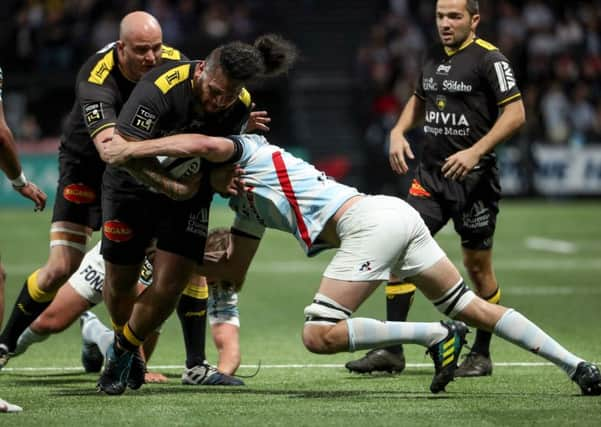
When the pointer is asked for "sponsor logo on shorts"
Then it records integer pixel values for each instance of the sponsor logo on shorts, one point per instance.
(117, 231)
(477, 217)
(417, 190)
(366, 266)
(79, 194)
(198, 223)
(144, 119)
(94, 278)
(93, 113)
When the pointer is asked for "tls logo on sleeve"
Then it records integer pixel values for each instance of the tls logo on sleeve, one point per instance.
(93, 113)
(144, 119)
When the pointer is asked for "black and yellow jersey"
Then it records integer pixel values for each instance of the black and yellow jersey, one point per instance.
(101, 89)
(463, 91)
(164, 103)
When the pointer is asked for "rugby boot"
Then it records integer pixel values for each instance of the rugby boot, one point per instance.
(4, 355)
(378, 360)
(116, 371)
(588, 378)
(137, 372)
(445, 354)
(474, 365)
(206, 374)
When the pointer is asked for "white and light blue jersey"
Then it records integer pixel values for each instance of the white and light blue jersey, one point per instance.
(285, 193)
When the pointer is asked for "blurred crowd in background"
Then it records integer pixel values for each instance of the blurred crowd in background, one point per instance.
(44, 42)
(554, 47)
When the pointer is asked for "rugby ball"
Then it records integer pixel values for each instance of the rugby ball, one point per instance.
(180, 167)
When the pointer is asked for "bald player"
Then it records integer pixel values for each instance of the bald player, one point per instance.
(103, 84)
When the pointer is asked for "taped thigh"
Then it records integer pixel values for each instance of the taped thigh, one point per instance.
(65, 236)
(454, 300)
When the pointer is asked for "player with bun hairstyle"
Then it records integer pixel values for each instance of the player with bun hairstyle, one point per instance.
(187, 97)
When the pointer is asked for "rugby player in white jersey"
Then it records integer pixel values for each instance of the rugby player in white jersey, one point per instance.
(375, 236)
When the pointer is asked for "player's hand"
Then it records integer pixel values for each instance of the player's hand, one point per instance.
(115, 151)
(33, 193)
(258, 120)
(398, 153)
(458, 165)
(227, 181)
(155, 377)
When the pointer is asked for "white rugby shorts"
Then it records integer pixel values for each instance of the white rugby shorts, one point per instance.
(88, 280)
(381, 235)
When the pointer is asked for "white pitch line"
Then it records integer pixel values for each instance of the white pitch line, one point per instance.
(550, 245)
(283, 366)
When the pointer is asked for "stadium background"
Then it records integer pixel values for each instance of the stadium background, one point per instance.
(359, 62)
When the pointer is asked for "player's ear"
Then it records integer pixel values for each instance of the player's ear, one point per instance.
(475, 20)
(120, 46)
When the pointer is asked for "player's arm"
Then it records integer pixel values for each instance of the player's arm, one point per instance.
(511, 119)
(512, 116)
(411, 116)
(213, 149)
(11, 166)
(149, 172)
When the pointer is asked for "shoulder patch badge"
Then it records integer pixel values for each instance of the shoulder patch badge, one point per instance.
(144, 119)
(93, 113)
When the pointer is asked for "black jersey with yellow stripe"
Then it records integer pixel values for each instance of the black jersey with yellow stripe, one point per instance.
(463, 90)
(164, 103)
(101, 89)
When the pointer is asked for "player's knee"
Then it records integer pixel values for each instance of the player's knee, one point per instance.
(315, 339)
(455, 300)
(49, 323)
(321, 317)
(56, 274)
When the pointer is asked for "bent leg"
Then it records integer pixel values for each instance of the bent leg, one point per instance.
(66, 252)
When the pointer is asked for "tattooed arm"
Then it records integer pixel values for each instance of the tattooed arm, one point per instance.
(149, 172)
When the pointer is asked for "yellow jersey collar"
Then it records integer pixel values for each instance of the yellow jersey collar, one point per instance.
(450, 51)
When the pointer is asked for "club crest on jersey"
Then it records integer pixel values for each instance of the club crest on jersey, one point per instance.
(144, 119)
(441, 102)
(443, 70)
(93, 113)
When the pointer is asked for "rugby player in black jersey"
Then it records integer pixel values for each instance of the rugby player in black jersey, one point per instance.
(188, 97)
(103, 84)
(469, 102)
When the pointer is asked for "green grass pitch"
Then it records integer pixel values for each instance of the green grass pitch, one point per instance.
(548, 263)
